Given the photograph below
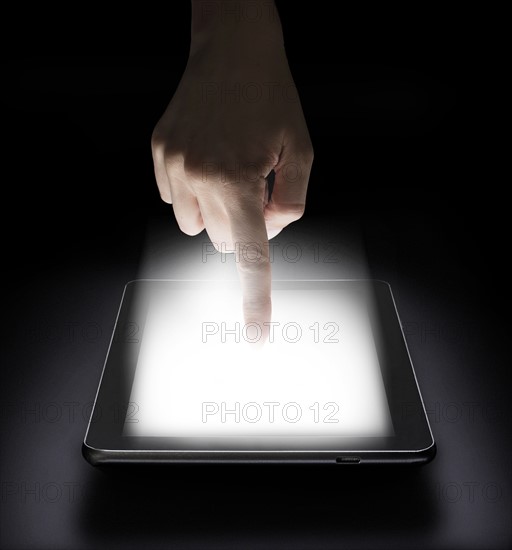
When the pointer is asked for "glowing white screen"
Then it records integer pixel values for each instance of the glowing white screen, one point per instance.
(192, 381)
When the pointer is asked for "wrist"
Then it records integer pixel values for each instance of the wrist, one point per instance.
(233, 23)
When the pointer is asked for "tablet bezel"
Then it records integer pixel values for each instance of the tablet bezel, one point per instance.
(412, 442)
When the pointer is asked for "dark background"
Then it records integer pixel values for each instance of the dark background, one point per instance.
(398, 112)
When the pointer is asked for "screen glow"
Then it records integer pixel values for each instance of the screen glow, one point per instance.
(197, 376)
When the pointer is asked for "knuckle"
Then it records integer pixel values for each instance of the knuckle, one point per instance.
(189, 229)
(230, 170)
(166, 197)
(157, 140)
(308, 154)
(165, 149)
(304, 151)
(189, 224)
(291, 212)
(195, 168)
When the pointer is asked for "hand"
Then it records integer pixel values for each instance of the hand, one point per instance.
(234, 118)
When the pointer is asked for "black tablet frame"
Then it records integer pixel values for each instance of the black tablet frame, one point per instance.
(413, 441)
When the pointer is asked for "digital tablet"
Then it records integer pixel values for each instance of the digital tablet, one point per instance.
(183, 381)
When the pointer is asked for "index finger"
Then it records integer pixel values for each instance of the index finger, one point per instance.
(250, 238)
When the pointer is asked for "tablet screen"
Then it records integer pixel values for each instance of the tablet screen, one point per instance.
(318, 375)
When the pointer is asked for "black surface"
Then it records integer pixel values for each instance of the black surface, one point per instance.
(397, 107)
